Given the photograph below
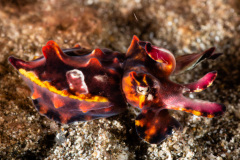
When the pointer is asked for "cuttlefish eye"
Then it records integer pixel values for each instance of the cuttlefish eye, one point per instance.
(143, 90)
(140, 89)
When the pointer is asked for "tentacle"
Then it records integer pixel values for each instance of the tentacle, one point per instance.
(187, 62)
(202, 83)
(155, 125)
(196, 107)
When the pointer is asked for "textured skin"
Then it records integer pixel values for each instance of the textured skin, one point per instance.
(80, 87)
(155, 125)
(77, 84)
(147, 86)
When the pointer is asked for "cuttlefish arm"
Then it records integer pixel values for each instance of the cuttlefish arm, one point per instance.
(201, 84)
(189, 61)
(155, 125)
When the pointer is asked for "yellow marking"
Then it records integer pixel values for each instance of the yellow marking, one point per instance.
(198, 90)
(36, 57)
(139, 123)
(210, 116)
(141, 100)
(181, 109)
(145, 79)
(44, 84)
(197, 113)
(132, 75)
(169, 67)
(158, 60)
(210, 84)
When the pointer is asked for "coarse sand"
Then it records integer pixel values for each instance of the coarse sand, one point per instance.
(181, 26)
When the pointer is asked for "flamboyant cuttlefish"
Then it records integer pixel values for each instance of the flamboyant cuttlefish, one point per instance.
(78, 84)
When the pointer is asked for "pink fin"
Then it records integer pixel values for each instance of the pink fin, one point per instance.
(155, 125)
(202, 83)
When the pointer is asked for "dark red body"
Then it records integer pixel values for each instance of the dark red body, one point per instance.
(78, 85)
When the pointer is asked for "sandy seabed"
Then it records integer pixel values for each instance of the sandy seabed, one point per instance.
(181, 26)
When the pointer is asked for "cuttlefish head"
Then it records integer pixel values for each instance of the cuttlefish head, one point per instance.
(147, 86)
